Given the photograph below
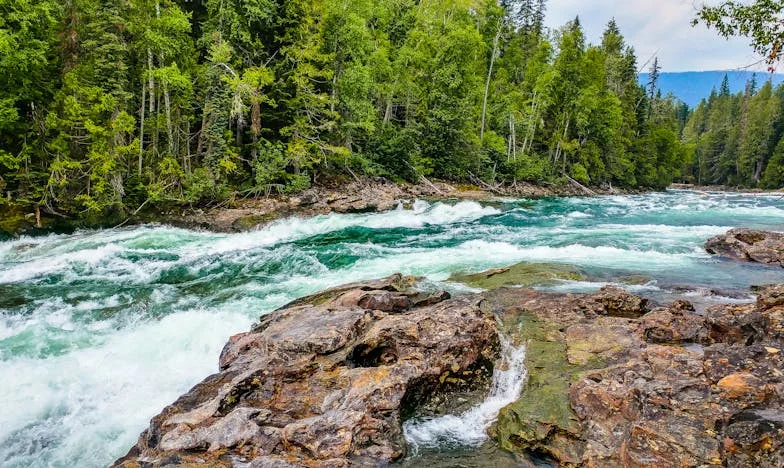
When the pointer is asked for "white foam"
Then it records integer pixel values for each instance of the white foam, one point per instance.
(291, 229)
(75, 409)
(470, 428)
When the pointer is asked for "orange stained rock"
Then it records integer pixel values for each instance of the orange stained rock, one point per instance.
(740, 384)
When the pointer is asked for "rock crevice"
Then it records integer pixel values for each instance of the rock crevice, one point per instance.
(328, 380)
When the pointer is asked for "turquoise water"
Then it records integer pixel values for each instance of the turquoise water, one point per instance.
(99, 330)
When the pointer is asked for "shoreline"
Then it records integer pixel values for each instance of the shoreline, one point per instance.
(361, 196)
(724, 188)
(366, 195)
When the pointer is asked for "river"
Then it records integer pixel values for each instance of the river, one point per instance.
(99, 330)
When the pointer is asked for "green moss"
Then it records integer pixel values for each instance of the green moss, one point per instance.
(542, 419)
(522, 274)
(247, 223)
(636, 280)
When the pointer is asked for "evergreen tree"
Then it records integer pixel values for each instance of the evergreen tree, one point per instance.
(106, 107)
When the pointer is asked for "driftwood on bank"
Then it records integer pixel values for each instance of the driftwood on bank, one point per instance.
(580, 186)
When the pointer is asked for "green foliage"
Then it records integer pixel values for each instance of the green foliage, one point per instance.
(762, 21)
(736, 139)
(105, 106)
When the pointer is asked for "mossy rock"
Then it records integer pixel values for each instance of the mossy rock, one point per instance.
(542, 420)
(635, 280)
(522, 274)
(246, 223)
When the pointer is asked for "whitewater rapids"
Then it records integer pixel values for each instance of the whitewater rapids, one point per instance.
(99, 330)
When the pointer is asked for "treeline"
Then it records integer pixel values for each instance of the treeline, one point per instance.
(108, 105)
(738, 139)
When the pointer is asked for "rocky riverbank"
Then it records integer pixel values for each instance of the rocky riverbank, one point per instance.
(327, 380)
(242, 214)
(722, 188)
(359, 196)
(612, 380)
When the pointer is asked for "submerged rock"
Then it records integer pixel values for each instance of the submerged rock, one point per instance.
(324, 381)
(522, 274)
(749, 245)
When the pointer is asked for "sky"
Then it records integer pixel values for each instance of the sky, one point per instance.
(661, 28)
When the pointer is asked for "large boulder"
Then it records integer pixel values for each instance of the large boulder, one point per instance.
(324, 381)
(749, 245)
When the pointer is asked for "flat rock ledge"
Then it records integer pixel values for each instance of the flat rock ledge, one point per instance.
(325, 381)
(749, 245)
(612, 383)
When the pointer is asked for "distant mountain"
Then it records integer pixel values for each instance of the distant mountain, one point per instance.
(692, 87)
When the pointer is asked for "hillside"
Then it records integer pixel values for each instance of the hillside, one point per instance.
(692, 87)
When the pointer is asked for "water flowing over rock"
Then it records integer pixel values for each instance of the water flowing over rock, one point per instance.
(749, 245)
(324, 381)
(522, 274)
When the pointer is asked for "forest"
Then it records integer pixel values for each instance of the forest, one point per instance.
(107, 106)
(738, 139)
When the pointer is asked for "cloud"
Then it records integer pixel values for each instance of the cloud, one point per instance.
(658, 27)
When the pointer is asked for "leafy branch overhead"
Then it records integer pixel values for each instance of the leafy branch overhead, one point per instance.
(762, 21)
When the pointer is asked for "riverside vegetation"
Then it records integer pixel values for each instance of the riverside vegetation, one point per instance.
(638, 345)
(109, 107)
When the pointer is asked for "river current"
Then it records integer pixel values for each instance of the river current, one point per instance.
(99, 330)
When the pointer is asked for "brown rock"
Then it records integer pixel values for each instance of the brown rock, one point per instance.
(742, 385)
(741, 324)
(749, 245)
(672, 388)
(619, 303)
(675, 324)
(324, 381)
(604, 341)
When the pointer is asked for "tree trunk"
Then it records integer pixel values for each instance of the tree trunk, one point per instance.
(151, 97)
(487, 83)
(187, 165)
(169, 129)
(141, 127)
(200, 141)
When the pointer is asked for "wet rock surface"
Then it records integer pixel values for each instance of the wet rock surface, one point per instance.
(324, 381)
(668, 388)
(749, 245)
(522, 274)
